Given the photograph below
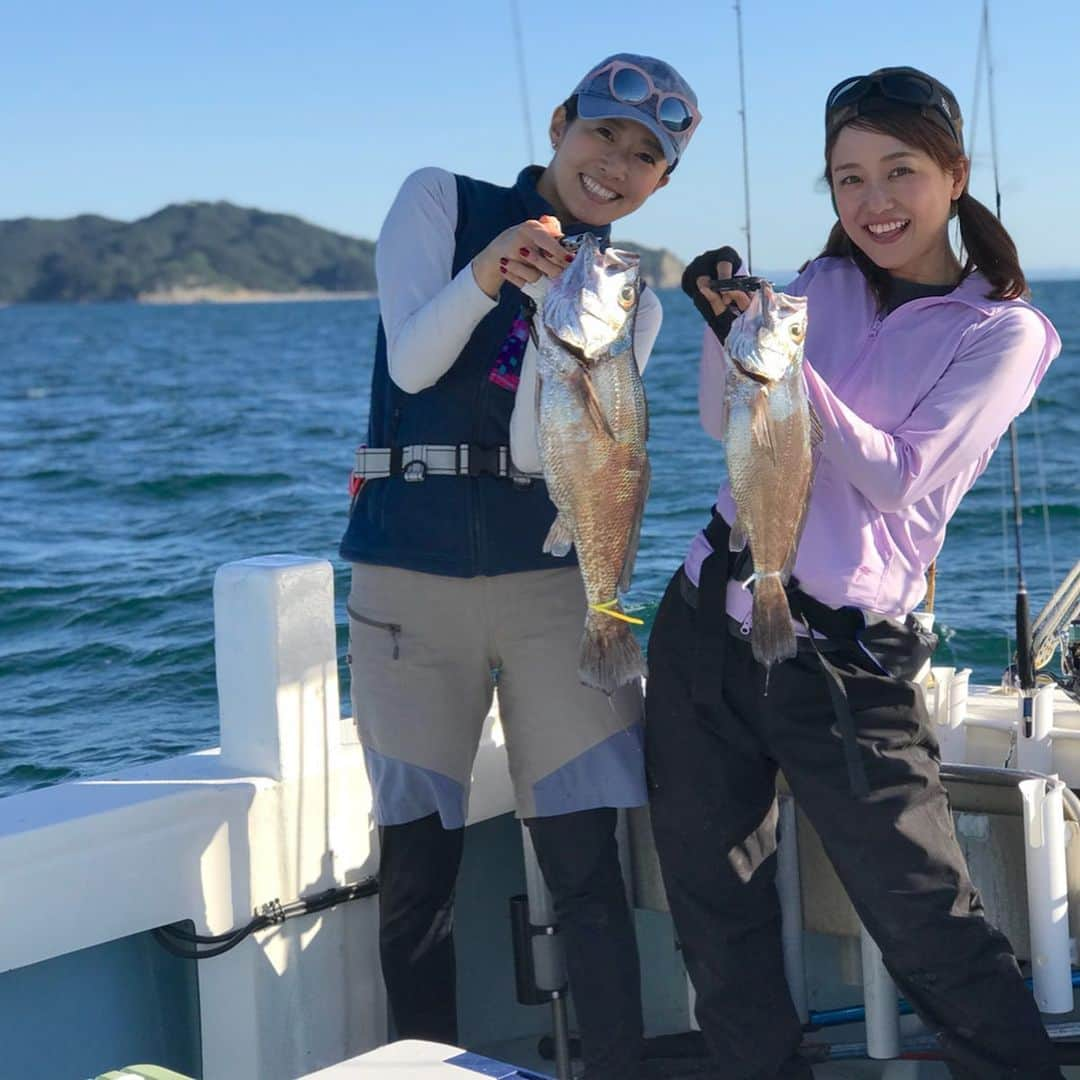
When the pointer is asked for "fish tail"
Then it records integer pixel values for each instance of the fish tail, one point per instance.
(772, 636)
(610, 655)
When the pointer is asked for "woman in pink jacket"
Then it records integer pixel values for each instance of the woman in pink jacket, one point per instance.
(916, 361)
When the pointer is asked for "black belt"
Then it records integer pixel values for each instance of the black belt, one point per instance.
(898, 649)
(691, 593)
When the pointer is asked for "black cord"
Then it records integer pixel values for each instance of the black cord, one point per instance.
(174, 939)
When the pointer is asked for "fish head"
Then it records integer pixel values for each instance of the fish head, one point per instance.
(766, 340)
(591, 305)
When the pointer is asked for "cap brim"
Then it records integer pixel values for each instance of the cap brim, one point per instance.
(599, 107)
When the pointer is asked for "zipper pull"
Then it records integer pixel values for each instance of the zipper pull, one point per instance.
(528, 308)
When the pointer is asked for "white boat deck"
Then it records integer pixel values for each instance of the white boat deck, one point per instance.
(283, 809)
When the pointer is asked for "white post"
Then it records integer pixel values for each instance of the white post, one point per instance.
(948, 704)
(1035, 753)
(276, 665)
(549, 960)
(1048, 897)
(789, 889)
(300, 994)
(879, 999)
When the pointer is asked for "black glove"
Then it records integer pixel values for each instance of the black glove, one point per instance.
(705, 266)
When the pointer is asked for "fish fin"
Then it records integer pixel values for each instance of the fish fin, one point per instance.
(772, 636)
(560, 538)
(737, 537)
(634, 538)
(761, 424)
(817, 432)
(610, 654)
(583, 384)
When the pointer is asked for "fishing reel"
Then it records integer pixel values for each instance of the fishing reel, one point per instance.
(742, 283)
(1070, 659)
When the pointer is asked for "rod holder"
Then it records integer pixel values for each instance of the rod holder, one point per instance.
(1035, 752)
(947, 702)
(1048, 893)
(880, 999)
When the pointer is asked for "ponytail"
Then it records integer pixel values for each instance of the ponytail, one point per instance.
(990, 249)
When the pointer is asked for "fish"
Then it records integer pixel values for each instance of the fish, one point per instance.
(593, 424)
(771, 435)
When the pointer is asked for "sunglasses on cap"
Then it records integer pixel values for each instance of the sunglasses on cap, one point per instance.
(634, 86)
(845, 100)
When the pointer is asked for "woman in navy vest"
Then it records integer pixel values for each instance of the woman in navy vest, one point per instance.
(451, 593)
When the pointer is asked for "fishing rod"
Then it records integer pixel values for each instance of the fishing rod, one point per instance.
(519, 50)
(1025, 665)
(745, 151)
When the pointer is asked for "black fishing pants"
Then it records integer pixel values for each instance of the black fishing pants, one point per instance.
(578, 856)
(713, 770)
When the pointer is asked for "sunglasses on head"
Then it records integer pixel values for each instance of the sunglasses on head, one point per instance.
(634, 86)
(845, 99)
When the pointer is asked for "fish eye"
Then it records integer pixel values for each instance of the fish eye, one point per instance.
(626, 297)
(797, 332)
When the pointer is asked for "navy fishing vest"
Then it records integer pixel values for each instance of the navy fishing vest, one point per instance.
(457, 525)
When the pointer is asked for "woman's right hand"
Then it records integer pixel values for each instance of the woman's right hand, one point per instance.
(718, 309)
(521, 255)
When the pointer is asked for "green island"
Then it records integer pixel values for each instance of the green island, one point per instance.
(203, 252)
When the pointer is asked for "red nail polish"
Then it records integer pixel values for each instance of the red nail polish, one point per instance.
(503, 261)
(569, 258)
(524, 252)
(502, 269)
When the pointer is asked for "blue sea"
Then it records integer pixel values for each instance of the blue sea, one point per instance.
(143, 447)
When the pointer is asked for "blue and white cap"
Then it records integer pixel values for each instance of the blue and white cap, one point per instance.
(663, 100)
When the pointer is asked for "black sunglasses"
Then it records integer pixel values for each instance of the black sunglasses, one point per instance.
(846, 98)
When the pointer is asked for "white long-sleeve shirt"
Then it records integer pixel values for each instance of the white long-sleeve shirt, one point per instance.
(429, 314)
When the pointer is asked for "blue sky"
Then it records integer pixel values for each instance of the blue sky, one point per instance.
(321, 110)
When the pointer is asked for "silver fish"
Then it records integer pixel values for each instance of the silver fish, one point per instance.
(593, 423)
(769, 441)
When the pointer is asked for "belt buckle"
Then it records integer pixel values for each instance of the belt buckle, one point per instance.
(414, 472)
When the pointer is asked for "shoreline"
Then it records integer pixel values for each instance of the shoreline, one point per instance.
(208, 294)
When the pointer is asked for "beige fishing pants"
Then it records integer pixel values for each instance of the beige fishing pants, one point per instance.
(426, 654)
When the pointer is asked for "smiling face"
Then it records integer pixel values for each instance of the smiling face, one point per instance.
(602, 169)
(894, 201)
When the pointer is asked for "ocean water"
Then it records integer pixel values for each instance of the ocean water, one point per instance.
(142, 447)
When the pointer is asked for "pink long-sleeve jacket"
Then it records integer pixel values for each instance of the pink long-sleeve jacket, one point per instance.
(912, 406)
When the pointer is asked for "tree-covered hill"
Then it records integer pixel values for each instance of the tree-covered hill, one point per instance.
(200, 250)
(181, 247)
